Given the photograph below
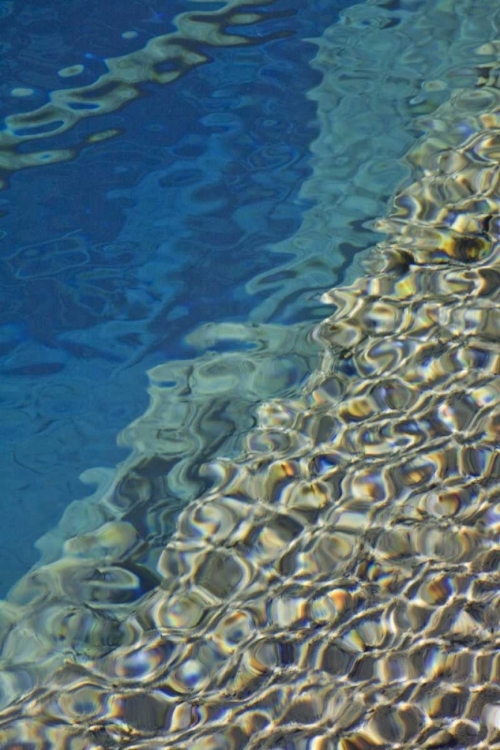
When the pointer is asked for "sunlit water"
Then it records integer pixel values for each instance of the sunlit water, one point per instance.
(332, 583)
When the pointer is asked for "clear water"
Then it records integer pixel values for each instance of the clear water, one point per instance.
(329, 583)
(110, 258)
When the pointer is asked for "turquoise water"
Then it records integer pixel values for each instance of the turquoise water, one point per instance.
(116, 274)
(327, 582)
(151, 221)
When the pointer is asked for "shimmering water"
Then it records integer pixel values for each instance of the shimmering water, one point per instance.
(333, 582)
(128, 224)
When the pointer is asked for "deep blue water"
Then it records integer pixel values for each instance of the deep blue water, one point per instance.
(108, 259)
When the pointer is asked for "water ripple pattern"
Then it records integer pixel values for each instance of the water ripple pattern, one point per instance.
(336, 585)
(107, 261)
(162, 61)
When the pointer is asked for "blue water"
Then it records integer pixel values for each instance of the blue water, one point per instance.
(109, 259)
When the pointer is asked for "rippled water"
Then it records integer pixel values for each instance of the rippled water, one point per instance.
(332, 583)
(113, 253)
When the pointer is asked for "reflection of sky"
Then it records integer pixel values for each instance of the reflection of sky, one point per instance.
(115, 256)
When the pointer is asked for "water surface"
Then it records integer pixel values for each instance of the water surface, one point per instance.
(330, 579)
